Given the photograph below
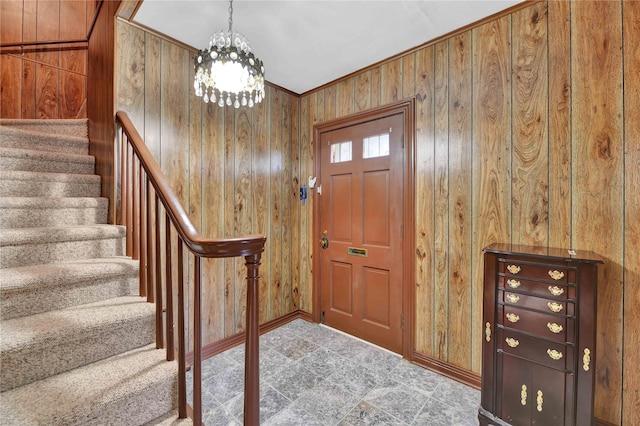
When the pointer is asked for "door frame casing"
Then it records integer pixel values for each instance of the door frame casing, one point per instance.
(406, 107)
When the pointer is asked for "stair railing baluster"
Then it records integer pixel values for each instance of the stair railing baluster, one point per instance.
(123, 176)
(158, 278)
(168, 289)
(170, 324)
(147, 241)
(182, 382)
(135, 224)
(142, 231)
(129, 211)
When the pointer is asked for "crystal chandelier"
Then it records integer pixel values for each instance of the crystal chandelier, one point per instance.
(227, 72)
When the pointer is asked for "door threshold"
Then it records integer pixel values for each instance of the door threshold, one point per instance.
(361, 340)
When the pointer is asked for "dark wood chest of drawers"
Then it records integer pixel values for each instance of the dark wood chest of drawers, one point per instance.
(539, 336)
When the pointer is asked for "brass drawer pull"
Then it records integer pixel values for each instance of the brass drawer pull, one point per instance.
(514, 269)
(554, 328)
(513, 283)
(513, 298)
(539, 400)
(512, 342)
(513, 317)
(523, 395)
(555, 290)
(555, 307)
(553, 354)
(586, 359)
(487, 332)
(556, 275)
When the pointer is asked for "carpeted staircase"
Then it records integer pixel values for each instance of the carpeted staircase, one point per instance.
(76, 342)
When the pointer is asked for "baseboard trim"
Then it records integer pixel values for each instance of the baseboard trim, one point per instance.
(600, 422)
(453, 372)
(229, 342)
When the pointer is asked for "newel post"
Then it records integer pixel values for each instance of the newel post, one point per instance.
(251, 360)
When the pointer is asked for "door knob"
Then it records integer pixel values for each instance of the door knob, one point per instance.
(324, 241)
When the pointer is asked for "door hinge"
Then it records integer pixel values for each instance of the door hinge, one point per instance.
(402, 141)
(322, 318)
(402, 322)
(402, 231)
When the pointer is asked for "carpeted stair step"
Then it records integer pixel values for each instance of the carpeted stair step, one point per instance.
(31, 290)
(28, 139)
(132, 388)
(38, 346)
(35, 246)
(32, 212)
(36, 184)
(42, 161)
(68, 127)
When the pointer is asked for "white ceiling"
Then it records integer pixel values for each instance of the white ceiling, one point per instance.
(307, 43)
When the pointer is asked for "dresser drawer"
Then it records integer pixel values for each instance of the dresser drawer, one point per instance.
(540, 288)
(555, 327)
(560, 274)
(556, 306)
(551, 354)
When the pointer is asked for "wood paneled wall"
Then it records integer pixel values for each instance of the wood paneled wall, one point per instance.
(235, 170)
(44, 81)
(100, 102)
(524, 135)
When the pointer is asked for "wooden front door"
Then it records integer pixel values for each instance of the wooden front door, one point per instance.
(361, 215)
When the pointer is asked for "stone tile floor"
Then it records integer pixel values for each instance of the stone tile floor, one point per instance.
(312, 375)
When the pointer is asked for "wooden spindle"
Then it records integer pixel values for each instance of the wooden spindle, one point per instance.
(158, 278)
(197, 372)
(169, 289)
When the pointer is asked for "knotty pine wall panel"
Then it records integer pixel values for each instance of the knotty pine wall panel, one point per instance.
(598, 177)
(631, 313)
(235, 170)
(521, 124)
(491, 146)
(460, 199)
(424, 194)
(50, 80)
(530, 160)
(559, 104)
(100, 102)
(440, 198)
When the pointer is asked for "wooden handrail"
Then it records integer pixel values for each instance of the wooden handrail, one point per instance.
(138, 171)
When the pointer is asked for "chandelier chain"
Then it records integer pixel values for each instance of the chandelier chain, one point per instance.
(230, 15)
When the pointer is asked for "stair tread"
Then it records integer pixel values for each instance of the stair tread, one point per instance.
(63, 126)
(79, 396)
(13, 137)
(15, 130)
(53, 202)
(46, 155)
(47, 176)
(69, 324)
(52, 274)
(21, 236)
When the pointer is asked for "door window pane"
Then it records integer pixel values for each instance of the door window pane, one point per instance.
(341, 152)
(376, 146)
